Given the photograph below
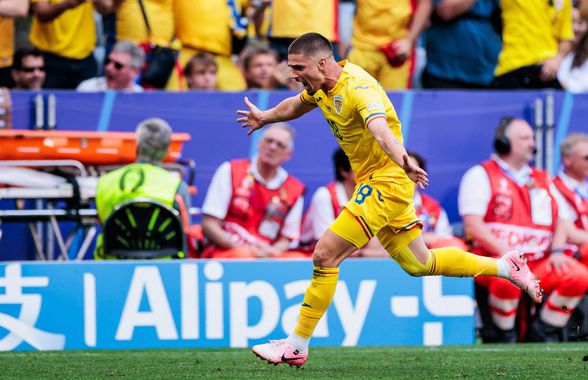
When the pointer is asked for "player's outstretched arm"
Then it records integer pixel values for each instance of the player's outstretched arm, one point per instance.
(396, 151)
(287, 109)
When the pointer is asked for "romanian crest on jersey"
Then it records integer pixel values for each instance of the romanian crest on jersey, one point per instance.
(338, 103)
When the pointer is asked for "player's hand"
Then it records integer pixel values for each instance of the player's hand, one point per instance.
(251, 118)
(415, 173)
(559, 263)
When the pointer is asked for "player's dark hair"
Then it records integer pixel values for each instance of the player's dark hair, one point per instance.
(421, 162)
(309, 44)
(341, 163)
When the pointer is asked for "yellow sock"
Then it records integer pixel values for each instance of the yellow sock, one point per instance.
(317, 299)
(454, 262)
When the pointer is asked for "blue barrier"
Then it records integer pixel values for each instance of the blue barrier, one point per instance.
(124, 305)
(451, 129)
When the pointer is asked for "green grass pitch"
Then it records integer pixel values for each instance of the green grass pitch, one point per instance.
(523, 361)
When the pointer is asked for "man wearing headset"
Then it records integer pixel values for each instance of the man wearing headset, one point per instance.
(507, 204)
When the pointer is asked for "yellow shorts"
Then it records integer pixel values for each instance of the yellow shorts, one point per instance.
(379, 208)
(375, 63)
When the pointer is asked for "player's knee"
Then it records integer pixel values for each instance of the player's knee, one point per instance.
(322, 258)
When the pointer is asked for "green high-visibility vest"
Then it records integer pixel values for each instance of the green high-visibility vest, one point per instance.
(131, 182)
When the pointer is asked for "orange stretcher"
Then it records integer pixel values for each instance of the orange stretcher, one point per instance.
(90, 148)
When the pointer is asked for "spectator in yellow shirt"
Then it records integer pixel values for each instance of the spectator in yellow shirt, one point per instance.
(384, 36)
(65, 32)
(536, 36)
(8, 10)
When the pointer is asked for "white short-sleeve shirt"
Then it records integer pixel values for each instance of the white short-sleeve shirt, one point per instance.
(475, 191)
(220, 190)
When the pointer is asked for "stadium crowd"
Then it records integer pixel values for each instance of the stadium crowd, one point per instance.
(254, 208)
(502, 44)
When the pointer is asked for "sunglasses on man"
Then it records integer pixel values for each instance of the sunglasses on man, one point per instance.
(117, 65)
(31, 69)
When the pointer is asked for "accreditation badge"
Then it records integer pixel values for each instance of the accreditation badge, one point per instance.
(541, 207)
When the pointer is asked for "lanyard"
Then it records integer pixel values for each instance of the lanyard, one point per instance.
(528, 181)
(583, 196)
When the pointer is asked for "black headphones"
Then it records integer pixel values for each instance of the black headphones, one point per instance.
(501, 141)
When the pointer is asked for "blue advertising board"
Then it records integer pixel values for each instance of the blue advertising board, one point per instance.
(206, 303)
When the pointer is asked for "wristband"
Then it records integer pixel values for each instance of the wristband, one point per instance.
(557, 250)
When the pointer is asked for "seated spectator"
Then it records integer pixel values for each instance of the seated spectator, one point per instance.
(253, 207)
(508, 205)
(536, 36)
(115, 187)
(263, 72)
(121, 69)
(259, 65)
(573, 71)
(28, 69)
(66, 34)
(572, 187)
(9, 9)
(200, 72)
(437, 231)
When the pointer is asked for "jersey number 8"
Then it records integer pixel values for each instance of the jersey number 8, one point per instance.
(363, 192)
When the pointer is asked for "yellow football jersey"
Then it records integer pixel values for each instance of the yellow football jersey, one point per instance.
(204, 25)
(356, 99)
(532, 31)
(71, 35)
(130, 24)
(378, 22)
